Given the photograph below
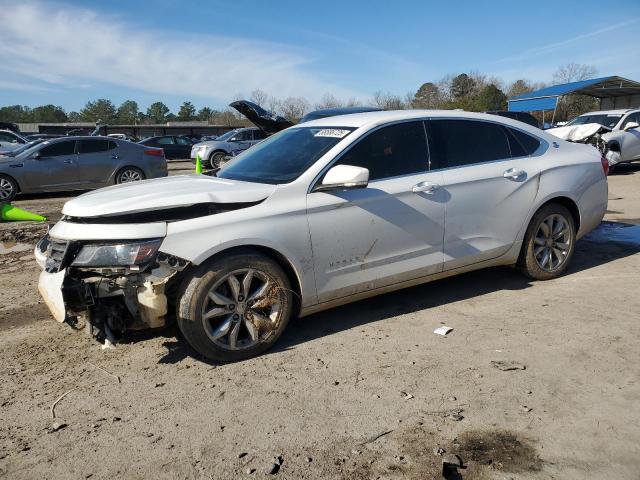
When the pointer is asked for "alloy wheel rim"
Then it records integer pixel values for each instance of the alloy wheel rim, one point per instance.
(242, 309)
(552, 242)
(6, 188)
(130, 176)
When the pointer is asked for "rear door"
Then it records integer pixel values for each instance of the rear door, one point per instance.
(183, 147)
(491, 182)
(97, 158)
(388, 232)
(56, 167)
(631, 139)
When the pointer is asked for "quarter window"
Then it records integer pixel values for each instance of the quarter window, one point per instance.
(391, 151)
(522, 144)
(455, 143)
(59, 149)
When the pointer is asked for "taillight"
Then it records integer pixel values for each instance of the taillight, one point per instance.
(605, 165)
(155, 152)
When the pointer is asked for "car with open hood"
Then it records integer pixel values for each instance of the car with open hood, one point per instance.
(616, 133)
(318, 215)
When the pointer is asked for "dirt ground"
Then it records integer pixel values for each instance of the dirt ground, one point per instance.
(365, 391)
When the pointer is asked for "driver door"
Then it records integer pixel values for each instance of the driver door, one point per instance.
(631, 139)
(55, 168)
(388, 232)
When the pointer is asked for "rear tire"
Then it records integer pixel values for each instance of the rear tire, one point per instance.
(234, 307)
(8, 188)
(129, 174)
(549, 243)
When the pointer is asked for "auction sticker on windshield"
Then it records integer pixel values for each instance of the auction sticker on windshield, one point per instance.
(332, 133)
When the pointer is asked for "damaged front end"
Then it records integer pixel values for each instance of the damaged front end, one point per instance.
(111, 287)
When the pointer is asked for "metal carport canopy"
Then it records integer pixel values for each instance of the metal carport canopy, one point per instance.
(547, 98)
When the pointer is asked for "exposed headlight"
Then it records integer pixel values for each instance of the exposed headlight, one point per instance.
(123, 254)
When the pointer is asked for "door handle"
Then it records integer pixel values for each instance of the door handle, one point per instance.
(115, 157)
(425, 187)
(68, 161)
(515, 174)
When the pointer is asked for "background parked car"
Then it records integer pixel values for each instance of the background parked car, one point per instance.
(520, 116)
(41, 136)
(214, 152)
(10, 140)
(78, 163)
(174, 146)
(9, 126)
(124, 136)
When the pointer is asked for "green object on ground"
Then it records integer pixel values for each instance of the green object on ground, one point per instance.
(198, 164)
(9, 213)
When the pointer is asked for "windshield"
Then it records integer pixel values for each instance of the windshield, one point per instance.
(605, 120)
(284, 156)
(226, 136)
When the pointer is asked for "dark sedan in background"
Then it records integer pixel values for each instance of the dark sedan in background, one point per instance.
(174, 146)
(78, 163)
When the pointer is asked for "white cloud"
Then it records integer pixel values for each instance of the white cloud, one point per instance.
(70, 47)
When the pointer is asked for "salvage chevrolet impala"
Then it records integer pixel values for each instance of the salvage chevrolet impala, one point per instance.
(318, 215)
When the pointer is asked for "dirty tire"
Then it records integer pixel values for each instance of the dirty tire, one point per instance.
(530, 264)
(8, 188)
(216, 158)
(129, 174)
(194, 299)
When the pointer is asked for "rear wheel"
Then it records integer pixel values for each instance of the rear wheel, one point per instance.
(216, 159)
(8, 188)
(235, 307)
(549, 243)
(129, 174)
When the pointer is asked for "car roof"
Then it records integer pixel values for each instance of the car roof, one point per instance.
(372, 119)
(620, 111)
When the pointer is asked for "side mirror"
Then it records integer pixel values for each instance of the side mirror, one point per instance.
(631, 125)
(36, 156)
(234, 139)
(343, 177)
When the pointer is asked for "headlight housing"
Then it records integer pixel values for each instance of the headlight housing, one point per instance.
(117, 255)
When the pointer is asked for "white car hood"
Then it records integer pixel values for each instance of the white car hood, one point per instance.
(575, 133)
(163, 193)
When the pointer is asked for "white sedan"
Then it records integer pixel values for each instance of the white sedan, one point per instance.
(321, 214)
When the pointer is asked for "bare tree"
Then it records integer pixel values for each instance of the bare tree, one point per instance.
(260, 97)
(574, 72)
(293, 108)
(388, 101)
(328, 100)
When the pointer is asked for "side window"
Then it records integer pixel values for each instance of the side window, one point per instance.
(59, 149)
(165, 141)
(5, 137)
(455, 143)
(259, 135)
(634, 117)
(93, 146)
(522, 144)
(244, 135)
(391, 151)
(182, 141)
(111, 145)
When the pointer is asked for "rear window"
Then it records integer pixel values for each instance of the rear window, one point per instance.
(454, 143)
(95, 145)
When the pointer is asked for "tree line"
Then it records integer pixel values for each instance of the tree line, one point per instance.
(472, 91)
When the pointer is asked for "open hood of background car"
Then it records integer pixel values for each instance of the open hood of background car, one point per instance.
(266, 121)
(165, 193)
(577, 133)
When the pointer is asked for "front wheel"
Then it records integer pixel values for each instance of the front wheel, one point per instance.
(549, 243)
(8, 188)
(216, 159)
(235, 307)
(129, 174)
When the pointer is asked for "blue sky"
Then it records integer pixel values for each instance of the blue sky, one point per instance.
(67, 52)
